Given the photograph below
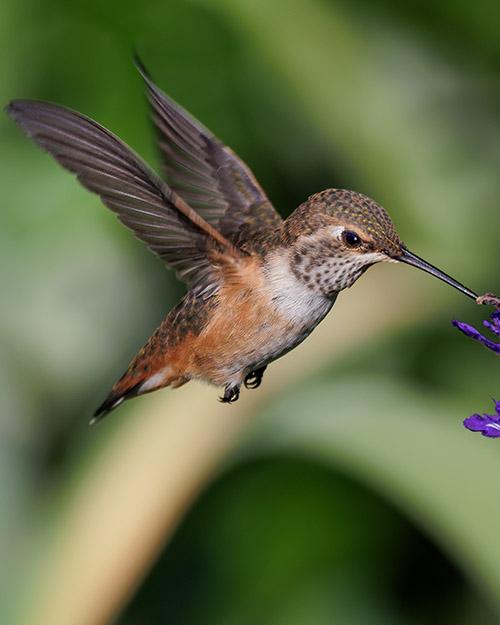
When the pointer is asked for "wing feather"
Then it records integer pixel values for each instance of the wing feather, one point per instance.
(144, 203)
(206, 173)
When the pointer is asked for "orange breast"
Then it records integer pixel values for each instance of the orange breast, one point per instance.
(237, 335)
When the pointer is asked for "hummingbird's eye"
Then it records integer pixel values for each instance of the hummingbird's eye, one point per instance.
(351, 239)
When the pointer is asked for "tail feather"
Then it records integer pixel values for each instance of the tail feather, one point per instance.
(146, 373)
(128, 387)
(114, 399)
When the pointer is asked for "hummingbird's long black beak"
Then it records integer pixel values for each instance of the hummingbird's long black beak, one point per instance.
(412, 259)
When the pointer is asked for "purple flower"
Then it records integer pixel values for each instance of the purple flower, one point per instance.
(489, 425)
(494, 326)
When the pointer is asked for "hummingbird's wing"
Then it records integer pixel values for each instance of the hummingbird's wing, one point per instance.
(207, 174)
(144, 203)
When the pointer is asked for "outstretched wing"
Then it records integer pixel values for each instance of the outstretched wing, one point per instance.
(144, 203)
(207, 174)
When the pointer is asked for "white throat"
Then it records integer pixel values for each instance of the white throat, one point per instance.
(291, 296)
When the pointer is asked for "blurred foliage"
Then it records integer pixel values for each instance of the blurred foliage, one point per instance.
(317, 562)
(355, 496)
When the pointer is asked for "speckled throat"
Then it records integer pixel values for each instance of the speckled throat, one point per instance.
(325, 268)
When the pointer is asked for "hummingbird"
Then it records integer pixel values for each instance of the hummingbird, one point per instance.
(258, 285)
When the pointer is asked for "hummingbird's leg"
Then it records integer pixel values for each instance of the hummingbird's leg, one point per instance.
(254, 378)
(231, 394)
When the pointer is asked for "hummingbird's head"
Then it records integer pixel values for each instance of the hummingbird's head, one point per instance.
(337, 234)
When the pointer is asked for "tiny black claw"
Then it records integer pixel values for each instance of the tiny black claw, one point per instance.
(254, 378)
(231, 394)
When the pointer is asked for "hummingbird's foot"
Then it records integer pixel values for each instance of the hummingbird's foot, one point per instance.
(254, 378)
(231, 394)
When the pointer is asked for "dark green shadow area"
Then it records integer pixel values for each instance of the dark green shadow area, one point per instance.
(285, 541)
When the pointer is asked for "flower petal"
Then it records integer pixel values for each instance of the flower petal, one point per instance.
(494, 326)
(473, 333)
(488, 425)
(475, 423)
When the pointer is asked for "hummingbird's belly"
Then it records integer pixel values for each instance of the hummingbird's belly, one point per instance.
(254, 327)
(283, 332)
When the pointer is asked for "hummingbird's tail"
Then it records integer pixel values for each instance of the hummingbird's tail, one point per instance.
(114, 399)
(137, 380)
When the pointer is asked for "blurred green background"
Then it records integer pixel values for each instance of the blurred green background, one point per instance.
(345, 490)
